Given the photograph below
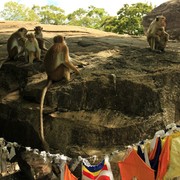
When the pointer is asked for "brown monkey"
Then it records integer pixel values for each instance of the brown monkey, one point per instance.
(57, 66)
(14, 43)
(157, 37)
(39, 36)
(161, 40)
(32, 48)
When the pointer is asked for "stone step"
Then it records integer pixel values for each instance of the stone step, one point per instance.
(98, 93)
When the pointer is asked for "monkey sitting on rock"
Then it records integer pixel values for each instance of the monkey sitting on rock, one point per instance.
(57, 66)
(15, 44)
(157, 37)
(32, 49)
(39, 36)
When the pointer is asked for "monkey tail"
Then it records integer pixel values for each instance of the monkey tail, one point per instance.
(49, 82)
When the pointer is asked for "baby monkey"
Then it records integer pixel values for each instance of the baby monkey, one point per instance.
(32, 50)
(161, 39)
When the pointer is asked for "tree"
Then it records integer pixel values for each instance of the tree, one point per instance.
(110, 24)
(50, 14)
(91, 18)
(78, 18)
(18, 12)
(97, 16)
(128, 20)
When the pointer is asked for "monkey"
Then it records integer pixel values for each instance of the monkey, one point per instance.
(17, 52)
(39, 36)
(15, 45)
(156, 34)
(32, 50)
(161, 39)
(57, 66)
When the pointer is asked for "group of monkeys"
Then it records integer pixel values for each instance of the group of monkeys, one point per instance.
(31, 44)
(57, 60)
(22, 43)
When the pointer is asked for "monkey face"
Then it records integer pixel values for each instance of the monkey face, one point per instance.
(30, 37)
(22, 32)
(38, 29)
(25, 32)
(161, 20)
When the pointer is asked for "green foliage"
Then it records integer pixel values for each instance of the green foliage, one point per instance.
(78, 18)
(128, 20)
(50, 14)
(96, 16)
(110, 24)
(91, 18)
(18, 12)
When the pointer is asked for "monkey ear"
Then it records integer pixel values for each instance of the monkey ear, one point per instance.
(41, 28)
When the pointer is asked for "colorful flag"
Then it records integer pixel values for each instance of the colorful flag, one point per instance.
(102, 171)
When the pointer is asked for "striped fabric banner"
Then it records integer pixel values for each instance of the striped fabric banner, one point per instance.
(102, 171)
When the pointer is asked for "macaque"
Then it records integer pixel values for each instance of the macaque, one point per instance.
(157, 37)
(57, 66)
(32, 49)
(161, 40)
(39, 36)
(15, 43)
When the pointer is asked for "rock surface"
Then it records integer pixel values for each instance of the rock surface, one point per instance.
(171, 10)
(125, 93)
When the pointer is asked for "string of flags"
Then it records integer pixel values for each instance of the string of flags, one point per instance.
(155, 159)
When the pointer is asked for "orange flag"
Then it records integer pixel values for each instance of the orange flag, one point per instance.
(68, 175)
(133, 166)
